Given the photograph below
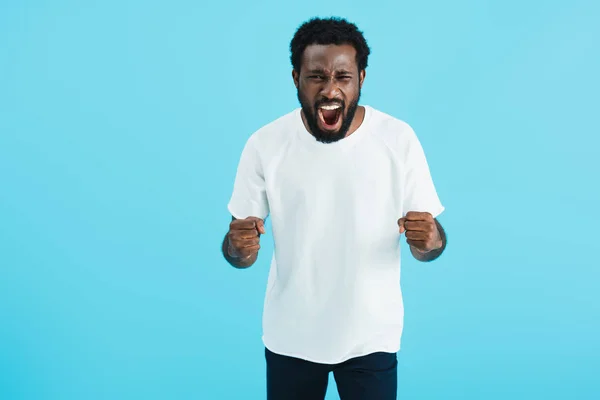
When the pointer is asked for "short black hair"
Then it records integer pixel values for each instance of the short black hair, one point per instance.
(333, 30)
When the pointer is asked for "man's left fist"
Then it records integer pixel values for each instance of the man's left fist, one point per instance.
(421, 231)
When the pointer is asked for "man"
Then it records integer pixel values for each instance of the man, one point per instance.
(342, 182)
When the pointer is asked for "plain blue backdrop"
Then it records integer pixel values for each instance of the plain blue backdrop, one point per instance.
(121, 125)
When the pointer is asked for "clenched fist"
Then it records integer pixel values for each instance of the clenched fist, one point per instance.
(244, 237)
(421, 231)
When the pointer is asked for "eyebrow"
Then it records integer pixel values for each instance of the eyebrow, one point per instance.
(322, 71)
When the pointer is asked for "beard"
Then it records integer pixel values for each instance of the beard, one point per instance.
(310, 113)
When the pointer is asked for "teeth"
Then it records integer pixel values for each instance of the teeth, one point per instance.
(330, 107)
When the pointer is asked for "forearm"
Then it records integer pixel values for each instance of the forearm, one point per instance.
(236, 262)
(433, 254)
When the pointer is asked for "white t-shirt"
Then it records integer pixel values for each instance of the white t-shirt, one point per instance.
(333, 291)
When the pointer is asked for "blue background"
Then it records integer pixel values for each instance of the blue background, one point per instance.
(121, 125)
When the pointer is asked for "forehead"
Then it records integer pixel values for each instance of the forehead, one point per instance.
(329, 57)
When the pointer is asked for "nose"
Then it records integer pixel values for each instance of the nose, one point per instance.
(330, 89)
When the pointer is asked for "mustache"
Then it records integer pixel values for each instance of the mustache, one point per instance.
(320, 102)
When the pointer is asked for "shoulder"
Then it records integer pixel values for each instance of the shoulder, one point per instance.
(275, 132)
(394, 131)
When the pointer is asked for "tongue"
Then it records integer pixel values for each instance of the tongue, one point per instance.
(330, 116)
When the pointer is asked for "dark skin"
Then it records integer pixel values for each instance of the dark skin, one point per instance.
(424, 234)
(330, 73)
(242, 242)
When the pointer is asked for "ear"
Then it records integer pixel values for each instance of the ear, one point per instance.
(361, 77)
(296, 77)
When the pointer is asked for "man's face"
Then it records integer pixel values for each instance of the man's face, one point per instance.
(329, 86)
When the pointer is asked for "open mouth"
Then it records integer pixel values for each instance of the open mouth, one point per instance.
(330, 116)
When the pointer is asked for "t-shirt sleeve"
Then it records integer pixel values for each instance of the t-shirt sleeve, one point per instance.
(249, 197)
(419, 191)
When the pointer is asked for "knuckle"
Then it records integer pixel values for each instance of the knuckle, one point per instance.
(238, 224)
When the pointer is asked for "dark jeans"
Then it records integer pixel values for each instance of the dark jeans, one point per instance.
(372, 377)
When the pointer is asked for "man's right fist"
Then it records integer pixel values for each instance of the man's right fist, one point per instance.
(244, 237)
